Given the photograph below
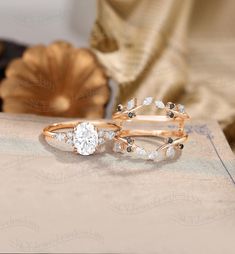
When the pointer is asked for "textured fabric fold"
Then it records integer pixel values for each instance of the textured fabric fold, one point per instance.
(147, 44)
(181, 51)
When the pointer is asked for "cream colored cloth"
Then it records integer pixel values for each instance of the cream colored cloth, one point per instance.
(150, 38)
(144, 48)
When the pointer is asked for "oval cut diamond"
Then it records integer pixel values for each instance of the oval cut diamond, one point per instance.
(85, 138)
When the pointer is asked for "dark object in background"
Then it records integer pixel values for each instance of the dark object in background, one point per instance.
(8, 51)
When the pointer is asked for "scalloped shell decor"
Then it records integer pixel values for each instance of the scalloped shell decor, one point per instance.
(58, 80)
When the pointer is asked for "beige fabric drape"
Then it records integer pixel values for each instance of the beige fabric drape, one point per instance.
(211, 87)
(150, 45)
(143, 45)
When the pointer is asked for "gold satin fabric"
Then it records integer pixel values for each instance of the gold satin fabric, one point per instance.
(175, 50)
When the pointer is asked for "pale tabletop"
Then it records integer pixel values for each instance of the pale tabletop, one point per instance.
(52, 200)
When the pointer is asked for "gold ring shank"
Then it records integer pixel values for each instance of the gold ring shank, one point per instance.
(49, 130)
(151, 118)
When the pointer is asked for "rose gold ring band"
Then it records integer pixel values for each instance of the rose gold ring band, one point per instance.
(49, 131)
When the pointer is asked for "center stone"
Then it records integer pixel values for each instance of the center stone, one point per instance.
(85, 138)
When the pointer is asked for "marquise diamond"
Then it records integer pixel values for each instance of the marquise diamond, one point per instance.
(131, 104)
(148, 101)
(60, 136)
(140, 151)
(181, 108)
(153, 155)
(110, 135)
(159, 104)
(170, 152)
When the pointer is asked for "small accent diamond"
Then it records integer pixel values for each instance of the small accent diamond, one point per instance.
(69, 141)
(140, 151)
(101, 141)
(181, 108)
(110, 135)
(117, 147)
(69, 134)
(60, 136)
(170, 152)
(159, 104)
(100, 133)
(148, 101)
(153, 155)
(131, 104)
(69, 137)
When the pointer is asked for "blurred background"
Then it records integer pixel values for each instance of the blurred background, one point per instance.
(34, 22)
(178, 50)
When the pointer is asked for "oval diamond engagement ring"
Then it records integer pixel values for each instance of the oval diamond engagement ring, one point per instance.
(85, 137)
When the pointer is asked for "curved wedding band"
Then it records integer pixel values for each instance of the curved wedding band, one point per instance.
(172, 139)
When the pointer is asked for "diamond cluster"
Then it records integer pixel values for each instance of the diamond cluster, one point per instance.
(85, 137)
(168, 152)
